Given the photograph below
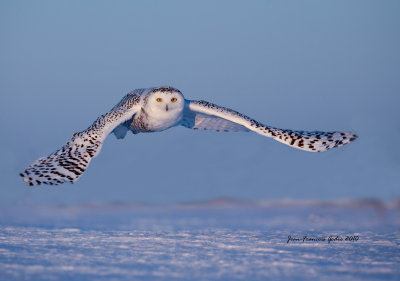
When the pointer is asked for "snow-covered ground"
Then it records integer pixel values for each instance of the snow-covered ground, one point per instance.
(216, 240)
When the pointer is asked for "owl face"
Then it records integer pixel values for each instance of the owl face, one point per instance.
(165, 101)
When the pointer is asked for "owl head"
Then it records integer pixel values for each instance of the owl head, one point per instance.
(165, 100)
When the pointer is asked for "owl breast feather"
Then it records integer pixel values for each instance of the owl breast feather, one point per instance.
(146, 123)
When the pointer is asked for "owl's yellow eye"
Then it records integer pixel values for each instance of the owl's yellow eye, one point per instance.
(159, 99)
(173, 99)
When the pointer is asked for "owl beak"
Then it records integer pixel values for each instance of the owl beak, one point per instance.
(166, 107)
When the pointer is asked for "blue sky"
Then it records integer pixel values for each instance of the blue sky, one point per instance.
(310, 65)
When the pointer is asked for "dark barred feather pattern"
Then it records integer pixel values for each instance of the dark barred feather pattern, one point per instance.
(69, 163)
(313, 141)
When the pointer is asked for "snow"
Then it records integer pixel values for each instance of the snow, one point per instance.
(215, 240)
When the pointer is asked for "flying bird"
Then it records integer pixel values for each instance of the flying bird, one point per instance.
(155, 110)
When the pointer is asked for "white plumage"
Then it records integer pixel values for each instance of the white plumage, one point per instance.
(155, 110)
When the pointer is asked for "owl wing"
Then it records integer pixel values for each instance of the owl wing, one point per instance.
(68, 163)
(208, 115)
(197, 120)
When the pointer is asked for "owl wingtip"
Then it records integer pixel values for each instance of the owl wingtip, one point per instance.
(353, 137)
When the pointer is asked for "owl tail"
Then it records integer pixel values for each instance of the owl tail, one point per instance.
(312, 141)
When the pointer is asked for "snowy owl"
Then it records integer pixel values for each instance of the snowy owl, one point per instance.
(155, 110)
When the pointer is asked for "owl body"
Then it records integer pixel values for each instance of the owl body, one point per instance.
(155, 110)
(160, 110)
